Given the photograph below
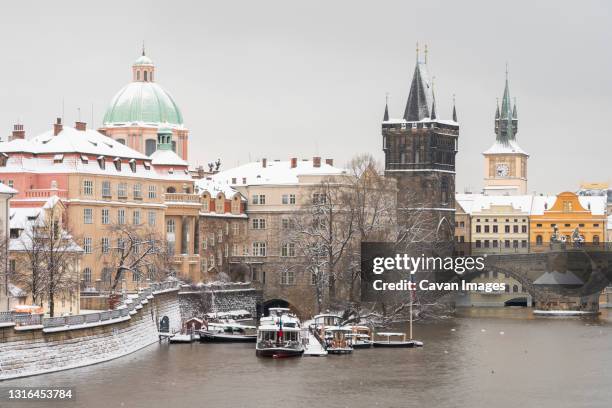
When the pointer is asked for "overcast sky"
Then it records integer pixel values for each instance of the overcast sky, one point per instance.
(278, 79)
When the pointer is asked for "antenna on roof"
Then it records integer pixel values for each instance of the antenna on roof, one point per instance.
(143, 48)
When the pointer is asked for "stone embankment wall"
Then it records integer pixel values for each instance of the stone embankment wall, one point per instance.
(198, 300)
(30, 346)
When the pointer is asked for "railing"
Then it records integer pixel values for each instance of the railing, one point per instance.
(182, 197)
(46, 193)
(24, 319)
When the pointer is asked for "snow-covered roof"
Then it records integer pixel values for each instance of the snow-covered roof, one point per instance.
(26, 219)
(213, 188)
(275, 172)
(4, 189)
(71, 140)
(505, 148)
(473, 203)
(83, 149)
(167, 158)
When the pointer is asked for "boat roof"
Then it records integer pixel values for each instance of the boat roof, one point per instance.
(338, 328)
(270, 327)
(389, 334)
(240, 326)
(327, 315)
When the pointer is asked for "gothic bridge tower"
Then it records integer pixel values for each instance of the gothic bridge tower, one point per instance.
(420, 151)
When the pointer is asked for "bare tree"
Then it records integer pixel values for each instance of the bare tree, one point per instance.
(137, 250)
(48, 257)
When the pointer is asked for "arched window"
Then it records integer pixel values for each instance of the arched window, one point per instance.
(150, 146)
(171, 190)
(539, 240)
(122, 141)
(106, 275)
(138, 75)
(515, 289)
(507, 288)
(87, 274)
(174, 146)
(145, 76)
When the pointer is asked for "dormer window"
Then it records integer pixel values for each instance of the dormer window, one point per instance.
(147, 165)
(117, 162)
(84, 159)
(3, 159)
(58, 158)
(170, 170)
(101, 162)
(133, 165)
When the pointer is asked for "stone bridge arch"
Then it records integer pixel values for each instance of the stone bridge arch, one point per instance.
(264, 307)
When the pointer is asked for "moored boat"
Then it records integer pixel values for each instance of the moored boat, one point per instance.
(360, 337)
(279, 335)
(337, 340)
(228, 333)
(395, 340)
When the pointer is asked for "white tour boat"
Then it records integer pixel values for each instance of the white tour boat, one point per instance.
(227, 333)
(279, 335)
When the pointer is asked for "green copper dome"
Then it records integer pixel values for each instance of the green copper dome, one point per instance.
(143, 102)
(143, 60)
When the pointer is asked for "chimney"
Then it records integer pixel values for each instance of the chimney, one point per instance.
(57, 126)
(329, 162)
(293, 162)
(264, 162)
(80, 126)
(316, 161)
(18, 132)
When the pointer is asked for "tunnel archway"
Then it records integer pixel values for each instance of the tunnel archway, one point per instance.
(517, 301)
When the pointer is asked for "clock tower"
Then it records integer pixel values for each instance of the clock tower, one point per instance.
(505, 161)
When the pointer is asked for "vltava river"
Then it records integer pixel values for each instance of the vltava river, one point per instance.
(466, 362)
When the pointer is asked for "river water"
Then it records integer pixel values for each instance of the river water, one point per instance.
(466, 362)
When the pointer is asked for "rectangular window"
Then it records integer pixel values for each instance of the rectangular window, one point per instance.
(87, 245)
(291, 198)
(86, 276)
(259, 223)
(259, 199)
(523, 229)
(88, 216)
(288, 249)
(136, 217)
(285, 199)
(105, 245)
(137, 191)
(507, 229)
(121, 216)
(285, 223)
(259, 249)
(105, 216)
(122, 190)
(220, 236)
(235, 250)
(88, 187)
(478, 243)
(151, 218)
(318, 198)
(495, 228)
(478, 228)
(106, 189)
(152, 191)
(288, 277)
(204, 243)
(524, 243)
(515, 229)
(486, 229)
(236, 229)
